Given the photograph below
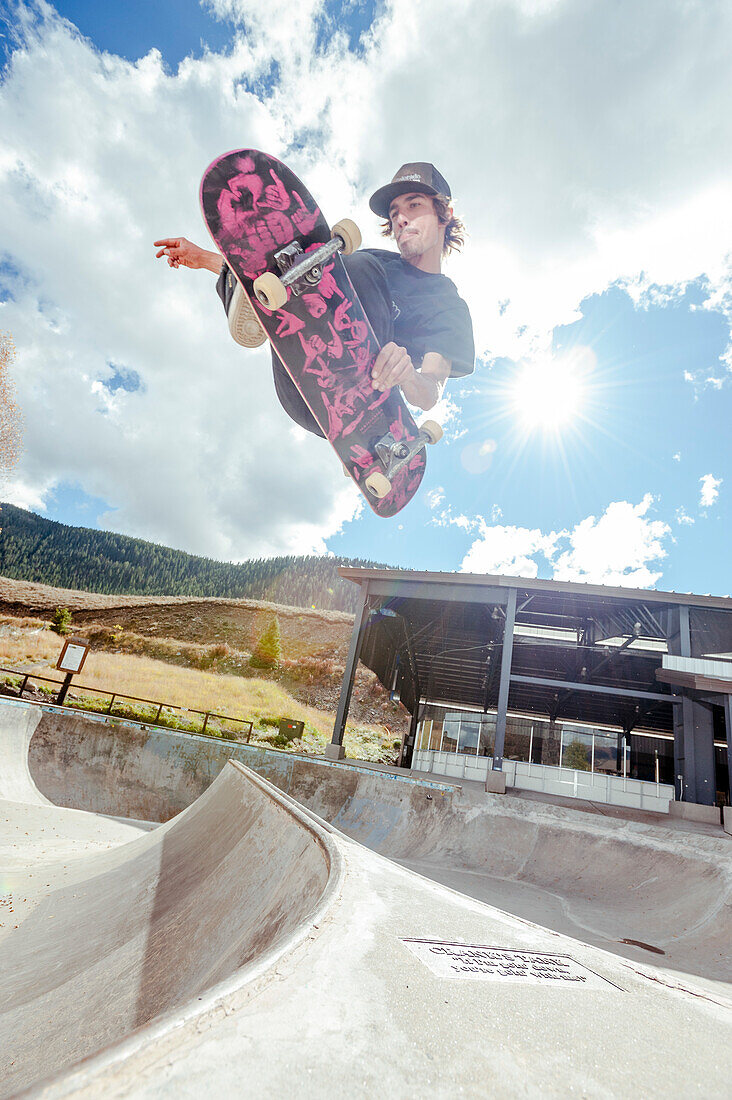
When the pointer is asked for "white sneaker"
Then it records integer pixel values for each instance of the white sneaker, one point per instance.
(244, 325)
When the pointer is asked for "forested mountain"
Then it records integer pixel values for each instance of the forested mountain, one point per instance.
(46, 552)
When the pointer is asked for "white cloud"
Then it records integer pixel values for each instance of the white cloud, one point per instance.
(619, 170)
(709, 490)
(435, 497)
(683, 519)
(447, 414)
(200, 457)
(23, 496)
(616, 549)
(507, 550)
(447, 518)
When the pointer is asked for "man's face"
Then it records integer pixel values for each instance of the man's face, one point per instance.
(415, 226)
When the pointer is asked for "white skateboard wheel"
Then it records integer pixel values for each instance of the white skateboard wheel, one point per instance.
(349, 233)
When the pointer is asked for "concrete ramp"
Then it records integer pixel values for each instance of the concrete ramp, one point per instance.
(248, 948)
(19, 722)
(399, 986)
(603, 880)
(34, 831)
(98, 947)
(662, 885)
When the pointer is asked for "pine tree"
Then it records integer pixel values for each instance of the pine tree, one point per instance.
(61, 621)
(268, 650)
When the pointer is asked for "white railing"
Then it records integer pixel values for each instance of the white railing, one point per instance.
(614, 790)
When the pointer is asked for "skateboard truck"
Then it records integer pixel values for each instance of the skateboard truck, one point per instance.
(299, 273)
(299, 269)
(395, 454)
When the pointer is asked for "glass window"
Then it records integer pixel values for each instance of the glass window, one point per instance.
(469, 734)
(487, 735)
(425, 732)
(606, 752)
(450, 731)
(518, 739)
(545, 744)
(646, 753)
(576, 750)
(435, 735)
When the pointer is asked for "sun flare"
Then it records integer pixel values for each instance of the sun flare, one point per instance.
(548, 393)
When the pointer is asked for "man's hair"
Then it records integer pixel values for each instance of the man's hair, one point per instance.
(454, 229)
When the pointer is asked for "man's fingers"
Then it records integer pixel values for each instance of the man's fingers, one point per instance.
(392, 367)
(386, 358)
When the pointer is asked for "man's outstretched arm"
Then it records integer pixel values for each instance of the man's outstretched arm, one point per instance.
(180, 252)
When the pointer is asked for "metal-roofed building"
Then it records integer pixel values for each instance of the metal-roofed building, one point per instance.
(505, 674)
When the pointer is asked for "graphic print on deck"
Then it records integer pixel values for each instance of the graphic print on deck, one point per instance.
(263, 219)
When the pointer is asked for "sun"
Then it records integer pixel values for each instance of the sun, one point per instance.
(548, 393)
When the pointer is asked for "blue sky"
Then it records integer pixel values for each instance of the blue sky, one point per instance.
(638, 413)
(592, 442)
(178, 30)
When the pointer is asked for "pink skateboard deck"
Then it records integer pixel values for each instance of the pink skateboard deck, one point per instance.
(262, 219)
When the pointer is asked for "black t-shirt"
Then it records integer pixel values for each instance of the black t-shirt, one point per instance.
(432, 315)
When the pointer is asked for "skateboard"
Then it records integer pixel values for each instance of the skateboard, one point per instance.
(288, 262)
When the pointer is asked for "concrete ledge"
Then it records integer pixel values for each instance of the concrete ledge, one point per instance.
(694, 811)
(495, 782)
(334, 752)
(727, 819)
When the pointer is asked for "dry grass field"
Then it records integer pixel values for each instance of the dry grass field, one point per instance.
(194, 654)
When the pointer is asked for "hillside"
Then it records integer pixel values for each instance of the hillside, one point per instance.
(209, 634)
(44, 552)
(304, 631)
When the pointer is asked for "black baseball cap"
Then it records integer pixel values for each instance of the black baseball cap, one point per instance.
(418, 176)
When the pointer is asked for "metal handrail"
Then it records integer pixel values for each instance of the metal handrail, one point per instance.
(206, 714)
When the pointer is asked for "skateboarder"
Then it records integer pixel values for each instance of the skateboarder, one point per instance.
(422, 324)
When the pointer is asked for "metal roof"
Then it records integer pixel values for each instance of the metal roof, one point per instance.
(585, 653)
(566, 588)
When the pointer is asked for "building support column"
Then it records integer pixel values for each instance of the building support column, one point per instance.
(728, 724)
(335, 750)
(678, 719)
(698, 765)
(405, 759)
(505, 681)
(679, 644)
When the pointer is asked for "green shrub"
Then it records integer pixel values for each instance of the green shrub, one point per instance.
(61, 621)
(276, 740)
(268, 650)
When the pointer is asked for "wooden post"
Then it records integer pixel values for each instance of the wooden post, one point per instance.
(64, 689)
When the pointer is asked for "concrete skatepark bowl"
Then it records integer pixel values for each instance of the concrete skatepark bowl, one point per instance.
(248, 945)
